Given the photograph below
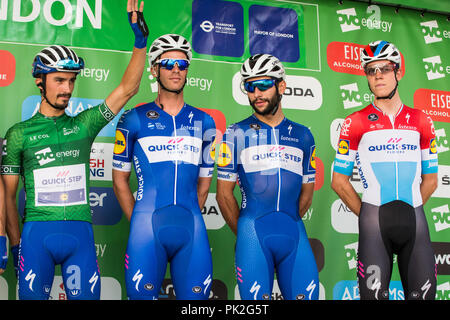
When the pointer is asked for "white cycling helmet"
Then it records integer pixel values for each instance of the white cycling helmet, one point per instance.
(380, 50)
(260, 65)
(169, 42)
(56, 58)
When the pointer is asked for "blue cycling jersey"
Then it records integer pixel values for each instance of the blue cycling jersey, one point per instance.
(169, 154)
(271, 164)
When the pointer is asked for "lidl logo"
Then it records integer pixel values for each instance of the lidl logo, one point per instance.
(225, 155)
(433, 146)
(344, 147)
(120, 144)
(312, 162)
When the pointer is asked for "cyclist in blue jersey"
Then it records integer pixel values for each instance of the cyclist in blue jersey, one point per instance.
(169, 143)
(394, 147)
(50, 151)
(272, 158)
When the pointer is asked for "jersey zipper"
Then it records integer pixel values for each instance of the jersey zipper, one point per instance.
(392, 119)
(176, 166)
(279, 173)
(62, 161)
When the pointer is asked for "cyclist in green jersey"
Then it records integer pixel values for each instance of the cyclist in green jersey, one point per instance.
(51, 152)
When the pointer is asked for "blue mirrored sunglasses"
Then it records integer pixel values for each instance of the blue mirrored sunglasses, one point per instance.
(262, 85)
(170, 63)
(69, 64)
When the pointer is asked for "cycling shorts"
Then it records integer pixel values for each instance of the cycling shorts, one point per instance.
(395, 228)
(170, 234)
(45, 244)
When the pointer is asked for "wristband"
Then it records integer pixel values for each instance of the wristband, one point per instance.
(3, 253)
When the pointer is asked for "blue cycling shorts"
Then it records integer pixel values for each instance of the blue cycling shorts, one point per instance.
(275, 241)
(45, 244)
(170, 234)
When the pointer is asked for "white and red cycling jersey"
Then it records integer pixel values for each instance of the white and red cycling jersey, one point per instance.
(391, 153)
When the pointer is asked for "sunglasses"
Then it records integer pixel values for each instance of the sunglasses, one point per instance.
(262, 85)
(170, 63)
(69, 64)
(384, 69)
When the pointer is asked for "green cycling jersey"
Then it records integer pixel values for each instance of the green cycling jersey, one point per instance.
(52, 155)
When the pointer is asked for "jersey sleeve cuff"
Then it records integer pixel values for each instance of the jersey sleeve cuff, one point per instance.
(121, 165)
(309, 178)
(226, 176)
(206, 172)
(343, 167)
(10, 169)
(430, 166)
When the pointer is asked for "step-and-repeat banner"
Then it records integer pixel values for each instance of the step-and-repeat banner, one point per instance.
(319, 43)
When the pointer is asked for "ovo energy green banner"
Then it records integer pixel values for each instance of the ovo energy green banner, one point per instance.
(319, 43)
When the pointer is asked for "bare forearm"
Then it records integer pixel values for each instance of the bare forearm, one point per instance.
(306, 197)
(12, 221)
(230, 209)
(125, 198)
(348, 195)
(428, 186)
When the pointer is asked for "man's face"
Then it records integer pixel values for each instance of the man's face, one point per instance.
(264, 101)
(175, 78)
(381, 76)
(59, 87)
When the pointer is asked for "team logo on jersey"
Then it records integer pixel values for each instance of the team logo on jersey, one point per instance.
(255, 126)
(152, 114)
(372, 117)
(433, 146)
(120, 144)
(344, 147)
(225, 155)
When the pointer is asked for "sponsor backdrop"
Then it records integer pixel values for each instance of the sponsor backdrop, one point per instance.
(318, 41)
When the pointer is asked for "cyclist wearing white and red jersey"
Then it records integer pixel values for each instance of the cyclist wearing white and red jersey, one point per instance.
(394, 147)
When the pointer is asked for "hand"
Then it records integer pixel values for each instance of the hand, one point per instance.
(3, 254)
(137, 22)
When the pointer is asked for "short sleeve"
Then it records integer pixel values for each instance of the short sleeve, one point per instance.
(428, 145)
(347, 147)
(227, 156)
(126, 129)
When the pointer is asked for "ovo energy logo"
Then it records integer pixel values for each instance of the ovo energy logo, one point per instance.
(434, 68)
(350, 21)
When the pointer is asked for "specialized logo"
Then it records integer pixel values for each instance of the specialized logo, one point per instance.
(225, 155)
(137, 278)
(120, 143)
(344, 147)
(30, 278)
